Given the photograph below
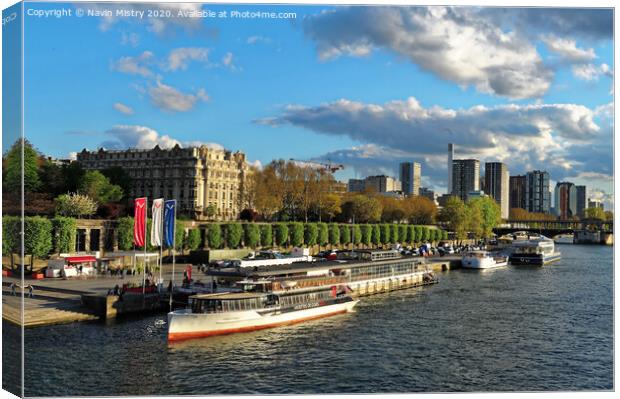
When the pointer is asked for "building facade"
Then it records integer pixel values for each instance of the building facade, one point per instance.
(201, 179)
(465, 177)
(516, 191)
(496, 180)
(595, 203)
(356, 185)
(581, 200)
(537, 193)
(428, 193)
(565, 196)
(382, 184)
(410, 177)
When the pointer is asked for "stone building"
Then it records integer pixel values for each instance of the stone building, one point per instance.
(197, 177)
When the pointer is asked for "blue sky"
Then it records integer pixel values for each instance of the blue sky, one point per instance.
(532, 88)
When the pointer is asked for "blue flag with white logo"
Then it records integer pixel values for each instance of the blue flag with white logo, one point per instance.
(169, 221)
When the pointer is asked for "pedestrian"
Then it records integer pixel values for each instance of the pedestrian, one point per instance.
(13, 289)
(30, 294)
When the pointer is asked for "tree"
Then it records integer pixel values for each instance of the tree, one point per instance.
(454, 214)
(419, 233)
(311, 234)
(376, 234)
(210, 211)
(118, 176)
(11, 237)
(281, 234)
(64, 234)
(595, 213)
(330, 207)
(98, 187)
(249, 215)
(234, 233)
(356, 236)
(411, 234)
(490, 214)
(296, 234)
(420, 210)
(73, 174)
(345, 234)
(609, 216)
(252, 235)
(393, 209)
(394, 238)
(214, 236)
(402, 233)
(193, 239)
(366, 231)
(474, 219)
(424, 236)
(75, 205)
(12, 180)
(323, 234)
(385, 233)
(52, 179)
(124, 233)
(266, 235)
(334, 234)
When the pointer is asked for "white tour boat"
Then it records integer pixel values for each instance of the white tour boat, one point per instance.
(482, 260)
(564, 239)
(536, 250)
(217, 314)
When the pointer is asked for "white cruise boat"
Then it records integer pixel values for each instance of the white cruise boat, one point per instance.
(536, 250)
(482, 260)
(217, 314)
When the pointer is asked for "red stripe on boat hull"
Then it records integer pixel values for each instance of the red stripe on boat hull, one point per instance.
(202, 334)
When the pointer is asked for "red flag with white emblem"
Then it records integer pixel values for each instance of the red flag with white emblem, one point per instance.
(139, 222)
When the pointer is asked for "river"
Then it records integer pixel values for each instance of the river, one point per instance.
(508, 329)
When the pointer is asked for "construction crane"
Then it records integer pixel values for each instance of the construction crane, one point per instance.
(329, 166)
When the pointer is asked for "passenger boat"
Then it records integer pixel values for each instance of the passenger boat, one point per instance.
(564, 239)
(482, 260)
(536, 250)
(218, 314)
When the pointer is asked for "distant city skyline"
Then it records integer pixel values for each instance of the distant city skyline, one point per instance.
(320, 87)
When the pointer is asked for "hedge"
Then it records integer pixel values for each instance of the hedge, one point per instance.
(37, 236)
(234, 233)
(193, 239)
(366, 234)
(11, 226)
(124, 233)
(214, 236)
(402, 233)
(418, 234)
(296, 234)
(266, 235)
(251, 235)
(357, 234)
(345, 234)
(376, 234)
(323, 234)
(334, 234)
(311, 234)
(394, 237)
(65, 229)
(281, 234)
(385, 233)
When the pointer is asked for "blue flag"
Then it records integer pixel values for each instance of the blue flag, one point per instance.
(169, 221)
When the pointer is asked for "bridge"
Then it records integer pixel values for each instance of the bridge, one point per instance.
(552, 228)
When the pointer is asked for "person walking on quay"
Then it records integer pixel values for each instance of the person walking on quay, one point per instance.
(30, 294)
(13, 289)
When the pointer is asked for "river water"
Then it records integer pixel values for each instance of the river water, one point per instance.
(508, 329)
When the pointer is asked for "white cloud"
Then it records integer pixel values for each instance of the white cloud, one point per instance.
(168, 98)
(456, 44)
(227, 60)
(258, 39)
(179, 58)
(130, 39)
(142, 137)
(568, 51)
(124, 109)
(135, 65)
(591, 72)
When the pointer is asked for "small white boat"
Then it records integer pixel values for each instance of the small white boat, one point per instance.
(217, 314)
(564, 239)
(482, 260)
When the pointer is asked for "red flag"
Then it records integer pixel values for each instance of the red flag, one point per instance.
(139, 221)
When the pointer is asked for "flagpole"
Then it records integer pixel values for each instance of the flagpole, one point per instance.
(146, 214)
(174, 242)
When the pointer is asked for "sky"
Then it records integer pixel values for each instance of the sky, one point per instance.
(368, 87)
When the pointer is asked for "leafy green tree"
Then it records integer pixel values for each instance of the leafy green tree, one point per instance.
(418, 234)
(73, 175)
(490, 214)
(281, 234)
(454, 214)
(214, 236)
(193, 239)
(210, 211)
(37, 236)
(234, 233)
(52, 179)
(118, 176)
(124, 233)
(12, 181)
(385, 233)
(179, 237)
(64, 234)
(252, 235)
(11, 227)
(366, 234)
(445, 235)
(595, 213)
(363, 209)
(311, 234)
(98, 187)
(402, 233)
(411, 233)
(345, 234)
(75, 205)
(334, 234)
(296, 232)
(323, 234)
(357, 234)
(394, 233)
(376, 234)
(266, 235)
(424, 237)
